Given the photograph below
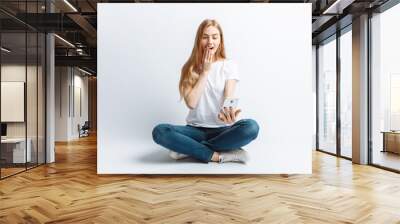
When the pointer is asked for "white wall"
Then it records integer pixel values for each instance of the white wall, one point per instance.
(139, 69)
(314, 90)
(79, 117)
(68, 81)
(61, 103)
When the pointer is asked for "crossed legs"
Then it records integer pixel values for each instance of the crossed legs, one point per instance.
(202, 143)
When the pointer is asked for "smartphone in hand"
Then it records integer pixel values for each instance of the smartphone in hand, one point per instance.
(230, 102)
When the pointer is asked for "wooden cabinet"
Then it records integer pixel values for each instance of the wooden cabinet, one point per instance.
(391, 142)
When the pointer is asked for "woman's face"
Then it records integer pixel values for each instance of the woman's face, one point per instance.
(210, 39)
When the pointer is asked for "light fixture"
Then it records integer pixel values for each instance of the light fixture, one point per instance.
(70, 5)
(338, 6)
(79, 51)
(64, 40)
(5, 50)
(84, 71)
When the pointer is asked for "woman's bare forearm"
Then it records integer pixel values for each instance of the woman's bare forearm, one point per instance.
(193, 96)
(229, 90)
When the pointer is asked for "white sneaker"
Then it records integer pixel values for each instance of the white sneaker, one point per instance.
(237, 155)
(176, 155)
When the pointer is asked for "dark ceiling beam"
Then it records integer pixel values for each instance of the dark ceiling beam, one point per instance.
(15, 18)
(80, 20)
(333, 16)
(11, 25)
(91, 5)
(320, 22)
(87, 51)
(337, 7)
(52, 22)
(329, 13)
(86, 26)
(83, 61)
(199, 1)
(332, 29)
(380, 7)
(49, 22)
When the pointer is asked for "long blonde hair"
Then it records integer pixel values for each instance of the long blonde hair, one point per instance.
(191, 69)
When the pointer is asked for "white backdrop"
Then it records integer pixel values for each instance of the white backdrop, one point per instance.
(141, 49)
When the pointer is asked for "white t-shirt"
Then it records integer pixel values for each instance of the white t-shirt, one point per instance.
(209, 105)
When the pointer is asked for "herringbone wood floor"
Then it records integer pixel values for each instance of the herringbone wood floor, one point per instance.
(70, 191)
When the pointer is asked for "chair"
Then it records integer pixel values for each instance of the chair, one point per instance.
(84, 130)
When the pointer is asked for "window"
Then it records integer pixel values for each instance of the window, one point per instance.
(385, 89)
(346, 93)
(327, 96)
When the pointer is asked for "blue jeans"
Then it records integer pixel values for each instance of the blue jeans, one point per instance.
(201, 143)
